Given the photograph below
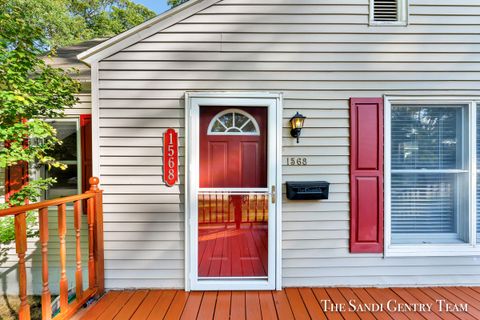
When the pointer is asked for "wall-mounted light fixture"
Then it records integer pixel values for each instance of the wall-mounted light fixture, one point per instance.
(297, 124)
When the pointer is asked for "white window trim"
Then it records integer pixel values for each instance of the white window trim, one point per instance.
(461, 249)
(402, 15)
(234, 133)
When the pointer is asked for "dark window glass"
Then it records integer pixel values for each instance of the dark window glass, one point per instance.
(67, 133)
(67, 180)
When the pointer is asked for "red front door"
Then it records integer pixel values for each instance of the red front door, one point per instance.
(232, 156)
(233, 225)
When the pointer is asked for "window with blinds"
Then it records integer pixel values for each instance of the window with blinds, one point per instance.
(429, 176)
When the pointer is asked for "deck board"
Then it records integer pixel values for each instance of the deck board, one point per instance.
(322, 295)
(252, 306)
(409, 298)
(296, 303)
(98, 308)
(422, 296)
(474, 309)
(339, 299)
(349, 294)
(289, 304)
(311, 303)
(178, 304)
(147, 305)
(366, 298)
(114, 308)
(162, 305)
(283, 306)
(436, 296)
(267, 305)
(192, 306)
(472, 293)
(237, 309)
(131, 306)
(207, 308)
(379, 296)
(222, 306)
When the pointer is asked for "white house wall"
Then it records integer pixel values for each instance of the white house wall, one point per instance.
(83, 106)
(318, 53)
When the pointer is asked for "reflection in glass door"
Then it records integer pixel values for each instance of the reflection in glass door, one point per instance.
(232, 234)
(233, 195)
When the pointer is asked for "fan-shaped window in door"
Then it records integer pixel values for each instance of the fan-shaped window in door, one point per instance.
(233, 122)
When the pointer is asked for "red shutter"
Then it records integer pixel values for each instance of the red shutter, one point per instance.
(86, 142)
(366, 175)
(16, 176)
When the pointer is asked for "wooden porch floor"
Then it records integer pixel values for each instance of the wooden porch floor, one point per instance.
(292, 303)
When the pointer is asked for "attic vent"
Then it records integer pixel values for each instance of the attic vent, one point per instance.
(385, 10)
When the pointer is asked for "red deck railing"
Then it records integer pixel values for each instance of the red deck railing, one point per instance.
(93, 199)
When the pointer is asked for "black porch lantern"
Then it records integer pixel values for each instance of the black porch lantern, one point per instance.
(297, 124)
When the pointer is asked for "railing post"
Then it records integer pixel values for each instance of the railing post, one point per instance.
(21, 248)
(46, 295)
(77, 221)
(91, 242)
(98, 235)
(62, 231)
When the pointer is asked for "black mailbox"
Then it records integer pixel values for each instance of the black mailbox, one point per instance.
(308, 190)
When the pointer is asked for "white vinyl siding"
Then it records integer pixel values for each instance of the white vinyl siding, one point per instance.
(319, 54)
(83, 106)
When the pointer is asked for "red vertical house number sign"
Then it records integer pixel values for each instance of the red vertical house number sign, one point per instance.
(170, 157)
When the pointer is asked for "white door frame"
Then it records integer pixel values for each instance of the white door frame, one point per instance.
(193, 101)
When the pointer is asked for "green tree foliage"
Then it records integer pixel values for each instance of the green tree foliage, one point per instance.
(108, 17)
(65, 22)
(174, 3)
(30, 90)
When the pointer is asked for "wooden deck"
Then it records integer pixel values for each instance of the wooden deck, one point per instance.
(292, 303)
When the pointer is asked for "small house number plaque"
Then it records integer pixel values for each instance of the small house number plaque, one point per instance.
(170, 157)
(296, 161)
